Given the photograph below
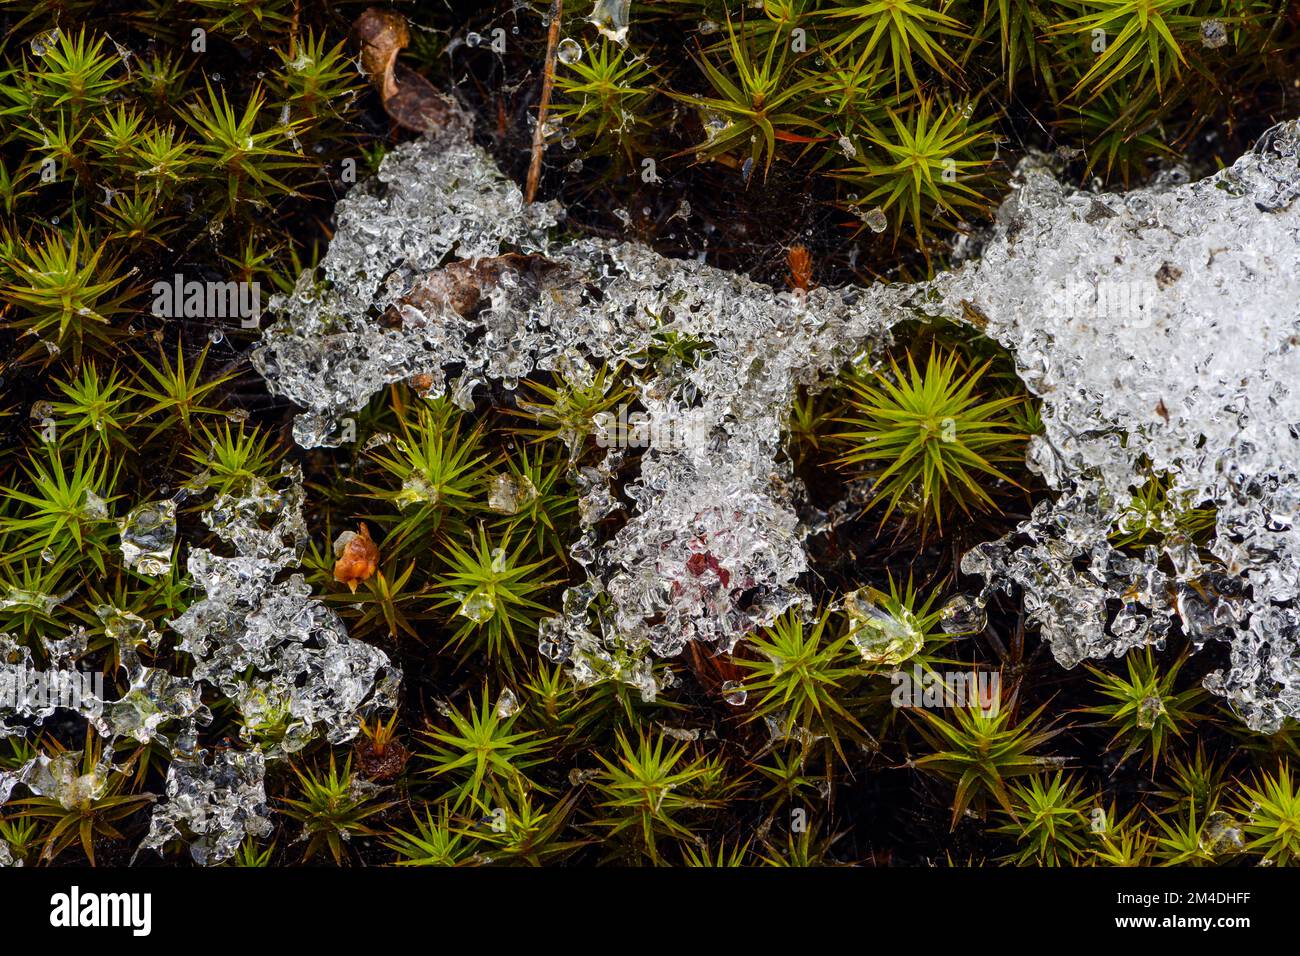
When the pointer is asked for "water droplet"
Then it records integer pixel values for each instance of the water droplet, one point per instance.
(568, 52)
(41, 44)
(875, 219)
(734, 693)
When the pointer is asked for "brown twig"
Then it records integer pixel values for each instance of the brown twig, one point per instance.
(548, 82)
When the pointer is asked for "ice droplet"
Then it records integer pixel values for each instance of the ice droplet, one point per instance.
(148, 536)
(1221, 835)
(1149, 712)
(610, 17)
(963, 615)
(881, 637)
(1214, 33)
(875, 219)
(508, 493)
(478, 605)
(734, 693)
(42, 43)
(507, 705)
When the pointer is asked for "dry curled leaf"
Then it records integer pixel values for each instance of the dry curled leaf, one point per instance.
(409, 99)
(356, 557)
(460, 286)
(383, 34)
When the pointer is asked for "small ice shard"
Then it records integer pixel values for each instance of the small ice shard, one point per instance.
(148, 537)
(1149, 711)
(38, 601)
(129, 632)
(881, 637)
(95, 507)
(684, 734)
(963, 615)
(1214, 33)
(611, 18)
(1221, 835)
(478, 605)
(507, 705)
(509, 493)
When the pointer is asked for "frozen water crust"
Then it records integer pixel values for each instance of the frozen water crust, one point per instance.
(1159, 327)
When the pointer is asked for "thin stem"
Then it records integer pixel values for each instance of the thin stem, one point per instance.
(548, 83)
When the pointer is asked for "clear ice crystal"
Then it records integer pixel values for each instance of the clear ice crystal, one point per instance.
(211, 804)
(509, 493)
(881, 637)
(611, 18)
(148, 536)
(1160, 328)
(253, 617)
(1181, 359)
(507, 704)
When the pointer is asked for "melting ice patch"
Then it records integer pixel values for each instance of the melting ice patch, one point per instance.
(1159, 328)
(1162, 330)
(284, 659)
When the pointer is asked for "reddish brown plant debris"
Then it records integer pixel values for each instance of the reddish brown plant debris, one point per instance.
(357, 557)
(799, 259)
(382, 763)
(461, 286)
